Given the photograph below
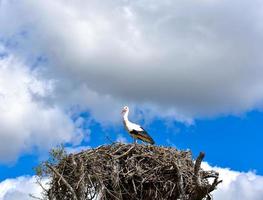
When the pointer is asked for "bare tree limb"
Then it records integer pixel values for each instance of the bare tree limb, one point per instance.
(197, 168)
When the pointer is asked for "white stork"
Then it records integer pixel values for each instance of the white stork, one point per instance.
(135, 130)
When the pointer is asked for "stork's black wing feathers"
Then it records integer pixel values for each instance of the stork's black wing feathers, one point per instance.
(142, 135)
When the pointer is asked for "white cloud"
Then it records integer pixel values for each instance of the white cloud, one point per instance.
(194, 58)
(26, 121)
(237, 185)
(20, 188)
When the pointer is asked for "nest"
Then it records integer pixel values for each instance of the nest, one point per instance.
(130, 171)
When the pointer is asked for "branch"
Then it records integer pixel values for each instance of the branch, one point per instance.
(214, 184)
(63, 180)
(197, 168)
(180, 181)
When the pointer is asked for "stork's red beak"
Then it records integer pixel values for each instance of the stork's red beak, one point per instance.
(123, 111)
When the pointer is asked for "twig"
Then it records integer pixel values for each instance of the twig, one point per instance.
(124, 154)
(63, 180)
(34, 197)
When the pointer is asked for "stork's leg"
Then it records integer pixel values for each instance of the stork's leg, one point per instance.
(135, 141)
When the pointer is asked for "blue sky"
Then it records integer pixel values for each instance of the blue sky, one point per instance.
(190, 71)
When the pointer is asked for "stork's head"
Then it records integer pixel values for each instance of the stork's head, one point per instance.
(124, 110)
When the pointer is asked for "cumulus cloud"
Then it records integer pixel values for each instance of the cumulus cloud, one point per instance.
(237, 185)
(26, 121)
(20, 188)
(195, 58)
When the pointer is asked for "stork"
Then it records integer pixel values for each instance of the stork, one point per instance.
(135, 130)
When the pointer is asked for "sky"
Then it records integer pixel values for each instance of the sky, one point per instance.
(190, 71)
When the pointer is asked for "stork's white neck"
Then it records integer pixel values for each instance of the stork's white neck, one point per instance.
(125, 116)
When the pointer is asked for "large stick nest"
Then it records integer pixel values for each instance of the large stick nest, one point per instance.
(129, 171)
